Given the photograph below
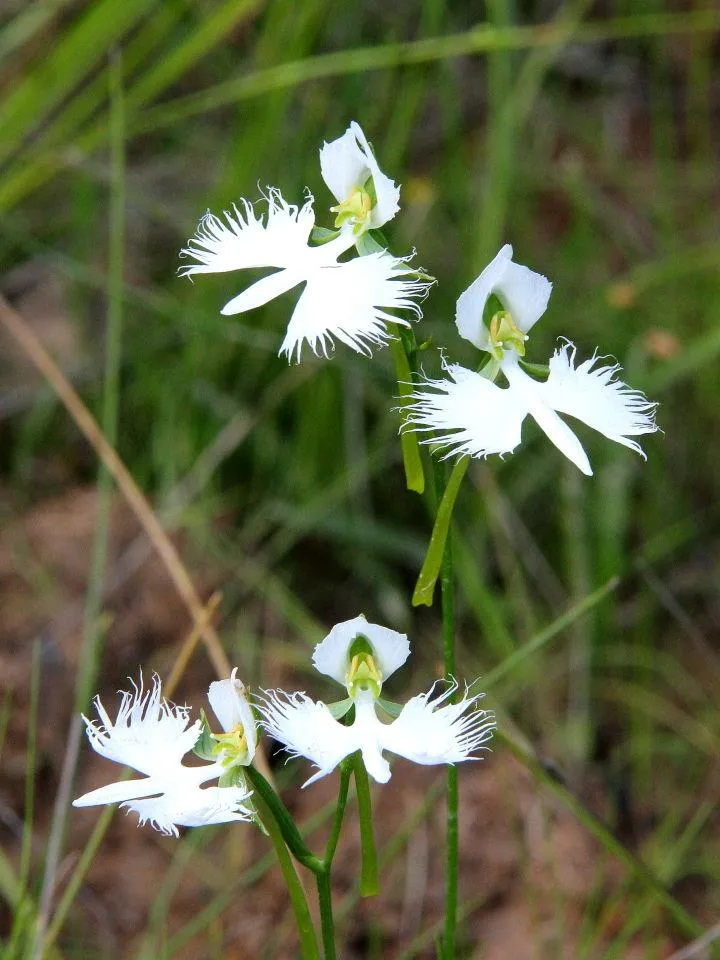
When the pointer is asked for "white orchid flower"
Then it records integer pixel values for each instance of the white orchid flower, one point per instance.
(152, 736)
(361, 656)
(366, 197)
(348, 301)
(475, 417)
(230, 704)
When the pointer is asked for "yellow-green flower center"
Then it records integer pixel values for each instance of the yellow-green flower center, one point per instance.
(232, 744)
(356, 210)
(362, 672)
(357, 207)
(505, 335)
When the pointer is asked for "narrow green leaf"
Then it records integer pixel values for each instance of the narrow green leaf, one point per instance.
(545, 636)
(28, 176)
(430, 571)
(10, 888)
(479, 39)
(369, 876)
(27, 24)
(205, 745)
(414, 474)
(391, 709)
(175, 63)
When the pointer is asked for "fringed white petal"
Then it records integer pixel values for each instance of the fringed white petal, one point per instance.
(192, 808)
(391, 649)
(241, 239)
(230, 704)
(594, 395)
(472, 416)
(350, 301)
(306, 728)
(348, 163)
(431, 731)
(523, 293)
(149, 734)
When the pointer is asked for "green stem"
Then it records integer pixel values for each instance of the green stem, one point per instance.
(345, 773)
(425, 586)
(327, 925)
(286, 824)
(448, 629)
(306, 931)
(369, 881)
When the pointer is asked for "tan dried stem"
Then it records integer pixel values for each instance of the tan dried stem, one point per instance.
(86, 423)
(88, 426)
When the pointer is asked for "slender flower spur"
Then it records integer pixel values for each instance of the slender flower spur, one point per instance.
(429, 729)
(152, 736)
(474, 417)
(344, 300)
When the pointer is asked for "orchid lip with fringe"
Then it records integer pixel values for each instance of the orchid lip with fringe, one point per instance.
(471, 416)
(152, 736)
(347, 301)
(427, 731)
(429, 728)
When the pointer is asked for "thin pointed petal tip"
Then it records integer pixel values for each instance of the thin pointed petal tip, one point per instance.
(469, 416)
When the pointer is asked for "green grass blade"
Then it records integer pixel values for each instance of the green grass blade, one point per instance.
(549, 633)
(54, 76)
(412, 462)
(479, 40)
(425, 586)
(27, 24)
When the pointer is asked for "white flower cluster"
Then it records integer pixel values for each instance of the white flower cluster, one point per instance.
(152, 736)
(467, 413)
(350, 301)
